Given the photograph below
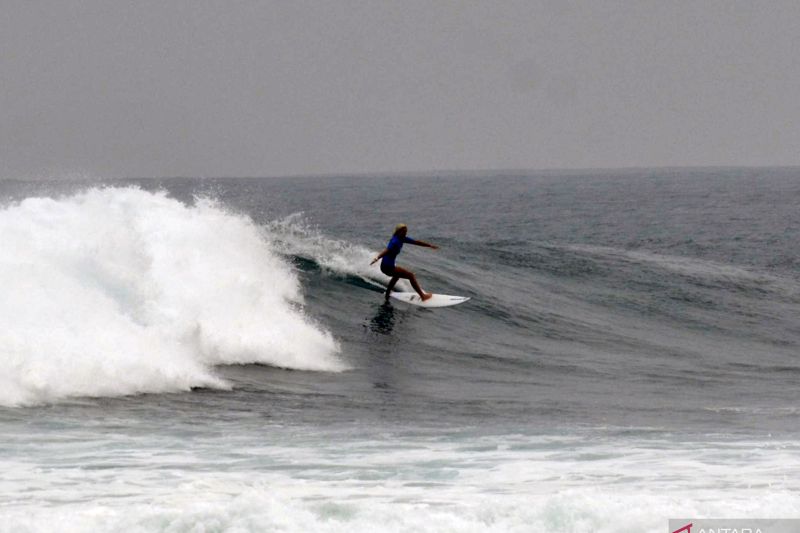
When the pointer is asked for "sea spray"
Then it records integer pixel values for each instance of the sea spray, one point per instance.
(118, 291)
(295, 236)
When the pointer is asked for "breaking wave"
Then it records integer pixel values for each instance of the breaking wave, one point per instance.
(117, 291)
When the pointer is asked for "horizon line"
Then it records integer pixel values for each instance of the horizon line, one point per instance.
(425, 173)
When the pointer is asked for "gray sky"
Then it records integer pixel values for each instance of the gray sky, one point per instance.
(247, 88)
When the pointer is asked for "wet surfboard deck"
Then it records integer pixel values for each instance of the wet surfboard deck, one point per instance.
(437, 300)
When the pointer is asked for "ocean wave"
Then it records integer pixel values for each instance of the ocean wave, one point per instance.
(701, 270)
(261, 509)
(295, 237)
(272, 502)
(116, 291)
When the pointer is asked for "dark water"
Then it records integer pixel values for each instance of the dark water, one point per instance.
(630, 310)
(663, 299)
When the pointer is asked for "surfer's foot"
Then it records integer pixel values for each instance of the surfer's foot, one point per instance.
(426, 296)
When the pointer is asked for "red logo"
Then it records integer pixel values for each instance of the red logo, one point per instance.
(687, 528)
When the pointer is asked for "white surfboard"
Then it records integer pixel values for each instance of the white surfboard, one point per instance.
(437, 300)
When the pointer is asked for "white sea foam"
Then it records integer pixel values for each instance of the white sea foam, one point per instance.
(261, 509)
(118, 291)
(494, 484)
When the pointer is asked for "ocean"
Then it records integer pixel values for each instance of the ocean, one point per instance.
(215, 355)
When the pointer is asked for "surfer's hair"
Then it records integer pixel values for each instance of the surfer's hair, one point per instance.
(398, 227)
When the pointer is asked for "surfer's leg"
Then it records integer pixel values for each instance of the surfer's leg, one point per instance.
(391, 286)
(407, 274)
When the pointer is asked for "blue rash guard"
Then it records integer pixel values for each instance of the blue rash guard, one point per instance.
(394, 247)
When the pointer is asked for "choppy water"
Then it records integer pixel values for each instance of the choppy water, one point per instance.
(214, 355)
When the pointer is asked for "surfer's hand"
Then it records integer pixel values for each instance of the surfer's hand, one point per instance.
(373, 261)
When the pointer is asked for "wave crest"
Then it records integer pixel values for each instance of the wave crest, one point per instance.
(118, 291)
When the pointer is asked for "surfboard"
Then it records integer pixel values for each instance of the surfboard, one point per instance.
(437, 300)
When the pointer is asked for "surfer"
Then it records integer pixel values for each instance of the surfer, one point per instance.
(389, 254)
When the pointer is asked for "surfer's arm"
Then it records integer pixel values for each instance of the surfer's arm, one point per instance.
(384, 252)
(421, 243)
